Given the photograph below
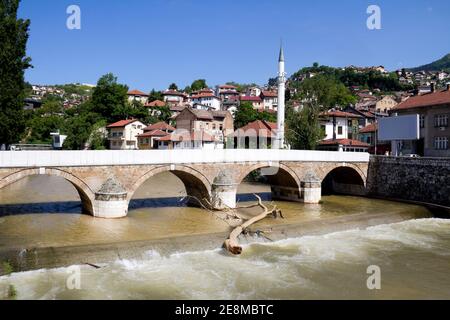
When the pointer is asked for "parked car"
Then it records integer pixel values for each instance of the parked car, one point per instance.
(411, 155)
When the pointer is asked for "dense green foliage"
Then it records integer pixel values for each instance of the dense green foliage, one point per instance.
(198, 85)
(173, 86)
(441, 64)
(324, 90)
(350, 77)
(155, 95)
(109, 99)
(13, 63)
(302, 128)
(246, 114)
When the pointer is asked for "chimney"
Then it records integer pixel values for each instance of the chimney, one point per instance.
(433, 87)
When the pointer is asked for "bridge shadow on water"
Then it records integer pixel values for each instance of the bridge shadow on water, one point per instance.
(74, 207)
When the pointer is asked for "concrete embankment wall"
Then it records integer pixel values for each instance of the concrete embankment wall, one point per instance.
(424, 180)
(98, 254)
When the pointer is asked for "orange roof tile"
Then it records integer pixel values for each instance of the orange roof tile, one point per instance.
(259, 127)
(269, 94)
(339, 114)
(160, 126)
(373, 127)
(344, 142)
(425, 100)
(153, 133)
(121, 123)
(137, 93)
(156, 103)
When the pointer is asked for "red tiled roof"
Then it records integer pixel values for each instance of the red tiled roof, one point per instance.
(227, 86)
(204, 95)
(339, 114)
(425, 100)
(368, 114)
(251, 98)
(229, 92)
(160, 126)
(344, 142)
(269, 94)
(173, 93)
(121, 123)
(153, 133)
(137, 93)
(156, 103)
(188, 136)
(259, 127)
(373, 127)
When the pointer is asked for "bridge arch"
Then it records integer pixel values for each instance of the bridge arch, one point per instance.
(87, 196)
(195, 183)
(349, 179)
(285, 183)
(284, 171)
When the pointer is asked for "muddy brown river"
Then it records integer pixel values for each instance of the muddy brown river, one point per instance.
(40, 211)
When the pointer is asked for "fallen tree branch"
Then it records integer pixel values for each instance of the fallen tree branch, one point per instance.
(232, 243)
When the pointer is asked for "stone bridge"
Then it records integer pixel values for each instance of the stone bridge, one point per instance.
(107, 180)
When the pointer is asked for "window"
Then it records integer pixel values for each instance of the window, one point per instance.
(340, 131)
(441, 120)
(422, 121)
(441, 143)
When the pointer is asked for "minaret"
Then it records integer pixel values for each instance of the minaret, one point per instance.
(281, 99)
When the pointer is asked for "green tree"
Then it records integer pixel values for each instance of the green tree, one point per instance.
(79, 128)
(109, 99)
(302, 128)
(273, 82)
(173, 86)
(13, 63)
(49, 118)
(155, 95)
(325, 91)
(244, 115)
(198, 85)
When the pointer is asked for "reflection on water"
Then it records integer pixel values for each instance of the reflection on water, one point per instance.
(45, 211)
(414, 258)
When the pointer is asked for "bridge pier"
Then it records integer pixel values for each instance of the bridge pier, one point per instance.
(111, 201)
(312, 191)
(223, 192)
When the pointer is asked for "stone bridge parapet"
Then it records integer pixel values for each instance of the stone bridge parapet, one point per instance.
(107, 180)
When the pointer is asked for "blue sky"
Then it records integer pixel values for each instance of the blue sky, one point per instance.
(151, 43)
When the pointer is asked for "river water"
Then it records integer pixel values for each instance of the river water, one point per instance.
(413, 256)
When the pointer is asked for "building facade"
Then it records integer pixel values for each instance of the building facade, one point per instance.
(434, 112)
(122, 135)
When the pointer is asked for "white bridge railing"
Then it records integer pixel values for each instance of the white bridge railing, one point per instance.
(10, 159)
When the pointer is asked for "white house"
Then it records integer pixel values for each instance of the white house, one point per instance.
(270, 100)
(136, 95)
(174, 98)
(123, 134)
(253, 92)
(339, 125)
(208, 100)
(183, 139)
